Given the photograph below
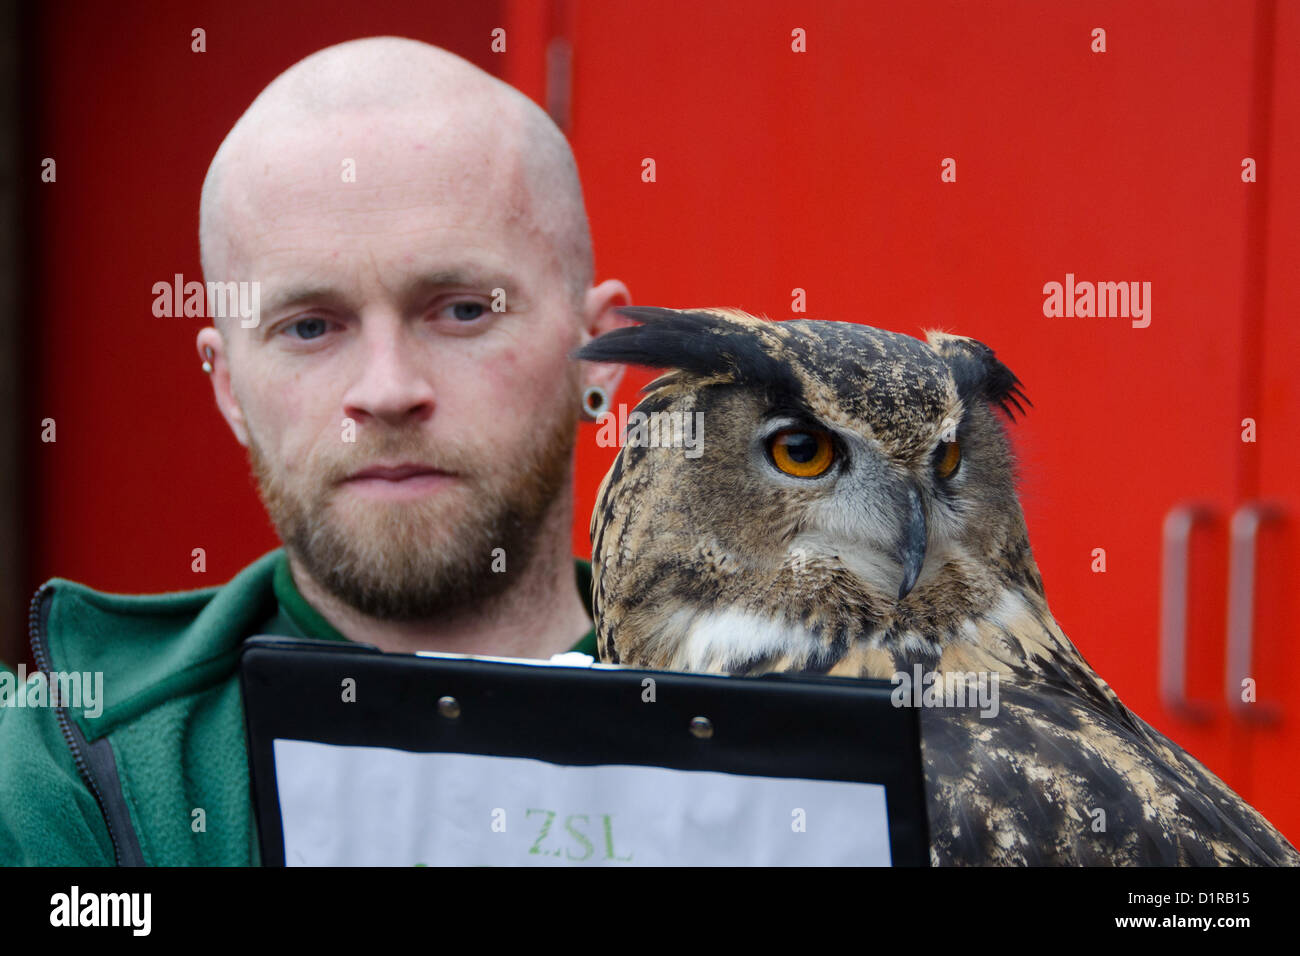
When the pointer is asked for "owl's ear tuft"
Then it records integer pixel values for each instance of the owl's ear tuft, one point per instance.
(978, 372)
(707, 344)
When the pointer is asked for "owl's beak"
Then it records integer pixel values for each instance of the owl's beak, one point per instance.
(911, 549)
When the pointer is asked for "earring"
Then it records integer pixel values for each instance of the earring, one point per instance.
(594, 400)
(207, 363)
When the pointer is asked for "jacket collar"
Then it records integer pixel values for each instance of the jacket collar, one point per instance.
(152, 647)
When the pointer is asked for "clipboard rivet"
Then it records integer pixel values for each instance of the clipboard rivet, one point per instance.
(449, 707)
(702, 727)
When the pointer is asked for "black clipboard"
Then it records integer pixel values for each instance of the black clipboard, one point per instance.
(779, 728)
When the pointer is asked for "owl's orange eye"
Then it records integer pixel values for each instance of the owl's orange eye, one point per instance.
(803, 454)
(949, 459)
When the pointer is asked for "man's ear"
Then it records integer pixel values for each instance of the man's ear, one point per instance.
(599, 317)
(213, 351)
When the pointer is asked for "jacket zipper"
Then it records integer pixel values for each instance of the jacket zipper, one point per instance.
(43, 662)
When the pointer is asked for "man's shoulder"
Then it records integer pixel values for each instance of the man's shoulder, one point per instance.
(150, 647)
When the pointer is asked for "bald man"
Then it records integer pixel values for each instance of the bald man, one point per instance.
(416, 233)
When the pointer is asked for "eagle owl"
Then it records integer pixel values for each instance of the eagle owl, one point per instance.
(850, 510)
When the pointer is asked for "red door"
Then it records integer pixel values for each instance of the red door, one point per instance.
(777, 170)
(1266, 629)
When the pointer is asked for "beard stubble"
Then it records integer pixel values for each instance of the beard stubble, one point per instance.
(426, 558)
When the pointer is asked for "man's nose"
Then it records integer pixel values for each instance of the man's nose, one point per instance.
(393, 383)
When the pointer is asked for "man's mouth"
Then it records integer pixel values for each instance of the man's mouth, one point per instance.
(403, 480)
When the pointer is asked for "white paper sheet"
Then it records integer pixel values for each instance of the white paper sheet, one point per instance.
(373, 806)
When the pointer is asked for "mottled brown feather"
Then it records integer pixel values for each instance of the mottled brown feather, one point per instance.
(678, 541)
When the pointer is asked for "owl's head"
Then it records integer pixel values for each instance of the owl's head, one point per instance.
(870, 462)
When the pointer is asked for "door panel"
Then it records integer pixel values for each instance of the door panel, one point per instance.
(821, 170)
(1274, 747)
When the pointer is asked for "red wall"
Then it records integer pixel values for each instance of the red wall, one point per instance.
(776, 170)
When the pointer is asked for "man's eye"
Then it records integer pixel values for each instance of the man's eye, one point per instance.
(309, 328)
(467, 311)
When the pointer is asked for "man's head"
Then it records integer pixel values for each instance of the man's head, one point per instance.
(386, 196)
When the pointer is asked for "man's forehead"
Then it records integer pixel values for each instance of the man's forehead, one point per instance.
(351, 187)
(359, 161)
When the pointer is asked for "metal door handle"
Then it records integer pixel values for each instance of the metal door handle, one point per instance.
(1241, 608)
(1177, 534)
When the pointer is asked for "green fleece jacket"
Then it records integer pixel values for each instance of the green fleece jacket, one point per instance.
(127, 786)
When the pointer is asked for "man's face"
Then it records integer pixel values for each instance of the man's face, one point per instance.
(400, 429)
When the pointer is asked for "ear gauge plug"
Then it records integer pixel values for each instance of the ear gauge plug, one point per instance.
(594, 401)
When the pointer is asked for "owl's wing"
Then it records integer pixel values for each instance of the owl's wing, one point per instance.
(1060, 777)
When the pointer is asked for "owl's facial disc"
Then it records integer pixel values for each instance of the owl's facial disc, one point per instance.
(860, 509)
